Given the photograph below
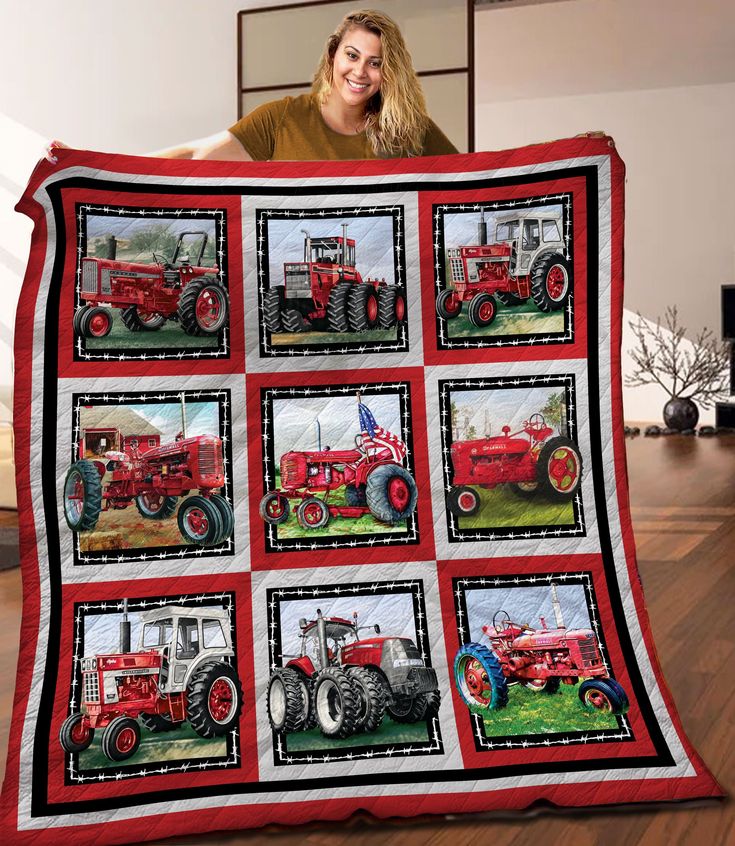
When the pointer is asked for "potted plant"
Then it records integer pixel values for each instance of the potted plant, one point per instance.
(689, 374)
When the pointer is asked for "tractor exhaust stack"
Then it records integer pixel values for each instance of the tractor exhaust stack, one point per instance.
(557, 608)
(318, 435)
(321, 630)
(482, 230)
(183, 417)
(343, 251)
(307, 246)
(125, 629)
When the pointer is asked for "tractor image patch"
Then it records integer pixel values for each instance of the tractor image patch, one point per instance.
(533, 660)
(149, 474)
(331, 281)
(511, 460)
(151, 283)
(154, 683)
(340, 680)
(504, 272)
(338, 465)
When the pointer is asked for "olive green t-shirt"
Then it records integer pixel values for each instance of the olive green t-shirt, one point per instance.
(293, 129)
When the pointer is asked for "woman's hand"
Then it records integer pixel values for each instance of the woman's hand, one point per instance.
(54, 145)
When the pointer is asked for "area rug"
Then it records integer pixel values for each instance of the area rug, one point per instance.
(323, 497)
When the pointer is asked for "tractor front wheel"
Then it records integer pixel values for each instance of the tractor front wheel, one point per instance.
(482, 310)
(203, 307)
(479, 678)
(362, 308)
(409, 709)
(96, 322)
(272, 307)
(604, 695)
(551, 277)
(289, 703)
(213, 699)
(76, 734)
(463, 501)
(391, 493)
(336, 703)
(199, 521)
(391, 306)
(313, 513)
(136, 320)
(337, 319)
(369, 686)
(448, 304)
(294, 321)
(559, 469)
(155, 506)
(274, 508)
(121, 739)
(82, 496)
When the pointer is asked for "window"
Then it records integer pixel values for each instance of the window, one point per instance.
(187, 639)
(507, 231)
(151, 442)
(551, 231)
(212, 635)
(531, 238)
(158, 633)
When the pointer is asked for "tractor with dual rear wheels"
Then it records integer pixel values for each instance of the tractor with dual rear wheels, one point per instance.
(183, 670)
(527, 261)
(344, 684)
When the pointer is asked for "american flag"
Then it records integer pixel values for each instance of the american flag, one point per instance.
(376, 439)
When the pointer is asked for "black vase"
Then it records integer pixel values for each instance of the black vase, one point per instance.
(681, 413)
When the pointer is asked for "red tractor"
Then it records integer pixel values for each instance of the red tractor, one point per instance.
(372, 475)
(150, 294)
(182, 670)
(326, 292)
(530, 461)
(527, 260)
(155, 480)
(540, 660)
(345, 685)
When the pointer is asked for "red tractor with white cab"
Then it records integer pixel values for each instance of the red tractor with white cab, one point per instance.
(372, 475)
(527, 259)
(155, 480)
(183, 670)
(147, 295)
(530, 461)
(345, 684)
(539, 659)
(325, 291)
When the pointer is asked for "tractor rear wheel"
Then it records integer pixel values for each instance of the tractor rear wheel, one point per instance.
(391, 493)
(204, 307)
(121, 739)
(336, 703)
(463, 501)
(604, 695)
(199, 521)
(76, 734)
(369, 686)
(141, 321)
(547, 685)
(448, 304)
(274, 508)
(391, 306)
(482, 310)
(157, 723)
(213, 699)
(355, 495)
(409, 709)
(156, 506)
(96, 322)
(337, 307)
(479, 678)
(272, 307)
(313, 513)
(82, 496)
(288, 700)
(551, 277)
(508, 299)
(559, 469)
(362, 308)
(294, 321)
(228, 518)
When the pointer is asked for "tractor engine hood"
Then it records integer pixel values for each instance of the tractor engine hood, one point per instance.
(124, 663)
(551, 638)
(127, 266)
(490, 446)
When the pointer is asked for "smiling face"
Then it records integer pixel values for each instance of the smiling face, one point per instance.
(356, 74)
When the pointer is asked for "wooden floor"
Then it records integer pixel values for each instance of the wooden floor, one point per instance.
(683, 497)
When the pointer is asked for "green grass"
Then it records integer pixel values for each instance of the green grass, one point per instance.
(500, 507)
(388, 733)
(180, 744)
(290, 339)
(170, 335)
(528, 712)
(525, 319)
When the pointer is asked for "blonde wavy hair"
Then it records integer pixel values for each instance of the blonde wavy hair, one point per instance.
(396, 118)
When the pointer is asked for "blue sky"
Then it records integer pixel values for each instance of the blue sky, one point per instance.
(125, 227)
(460, 228)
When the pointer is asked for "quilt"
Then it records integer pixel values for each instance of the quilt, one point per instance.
(323, 497)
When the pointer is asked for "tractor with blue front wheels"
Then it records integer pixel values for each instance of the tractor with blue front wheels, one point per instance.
(538, 659)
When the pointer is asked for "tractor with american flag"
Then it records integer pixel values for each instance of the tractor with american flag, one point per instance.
(371, 474)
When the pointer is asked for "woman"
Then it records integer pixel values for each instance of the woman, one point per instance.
(366, 102)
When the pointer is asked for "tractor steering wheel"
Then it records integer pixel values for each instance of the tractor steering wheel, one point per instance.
(501, 620)
(536, 422)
